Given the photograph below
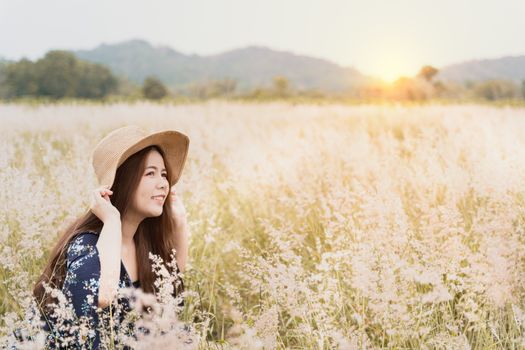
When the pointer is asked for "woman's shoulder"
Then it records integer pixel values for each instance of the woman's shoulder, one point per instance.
(86, 237)
(82, 243)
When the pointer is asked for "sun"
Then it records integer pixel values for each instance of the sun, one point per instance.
(393, 68)
(392, 62)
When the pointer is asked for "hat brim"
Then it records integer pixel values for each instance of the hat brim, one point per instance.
(174, 145)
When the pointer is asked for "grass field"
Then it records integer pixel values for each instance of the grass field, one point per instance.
(312, 227)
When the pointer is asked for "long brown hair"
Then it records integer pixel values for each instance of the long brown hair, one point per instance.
(154, 234)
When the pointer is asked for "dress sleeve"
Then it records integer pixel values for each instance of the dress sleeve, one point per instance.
(81, 284)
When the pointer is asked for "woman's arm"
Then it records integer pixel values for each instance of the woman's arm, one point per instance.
(81, 284)
(181, 232)
(109, 248)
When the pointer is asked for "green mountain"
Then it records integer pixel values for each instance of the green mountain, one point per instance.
(251, 67)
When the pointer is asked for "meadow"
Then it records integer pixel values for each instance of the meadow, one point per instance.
(311, 226)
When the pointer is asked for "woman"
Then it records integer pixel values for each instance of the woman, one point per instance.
(133, 213)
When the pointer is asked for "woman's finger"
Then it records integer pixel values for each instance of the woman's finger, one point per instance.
(105, 191)
(100, 194)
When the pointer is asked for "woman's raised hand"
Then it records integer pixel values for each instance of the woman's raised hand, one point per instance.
(101, 205)
(177, 207)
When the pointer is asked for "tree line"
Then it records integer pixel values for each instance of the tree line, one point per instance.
(60, 74)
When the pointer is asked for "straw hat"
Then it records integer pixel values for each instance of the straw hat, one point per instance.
(121, 143)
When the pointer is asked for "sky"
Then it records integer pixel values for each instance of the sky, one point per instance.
(383, 38)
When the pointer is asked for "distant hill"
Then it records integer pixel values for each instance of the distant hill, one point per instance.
(251, 67)
(256, 66)
(509, 68)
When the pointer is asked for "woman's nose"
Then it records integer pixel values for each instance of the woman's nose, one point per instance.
(163, 183)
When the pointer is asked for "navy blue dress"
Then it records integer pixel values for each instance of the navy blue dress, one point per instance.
(81, 287)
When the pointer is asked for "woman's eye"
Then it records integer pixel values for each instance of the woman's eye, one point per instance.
(151, 172)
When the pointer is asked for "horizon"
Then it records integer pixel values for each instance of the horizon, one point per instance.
(160, 45)
(379, 39)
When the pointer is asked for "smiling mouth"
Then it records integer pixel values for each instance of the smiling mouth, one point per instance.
(158, 198)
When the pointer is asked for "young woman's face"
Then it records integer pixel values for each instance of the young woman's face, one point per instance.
(153, 187)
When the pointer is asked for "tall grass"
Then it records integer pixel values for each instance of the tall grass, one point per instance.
(312, 227)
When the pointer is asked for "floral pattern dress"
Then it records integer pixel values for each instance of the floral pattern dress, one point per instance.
(81, 287)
